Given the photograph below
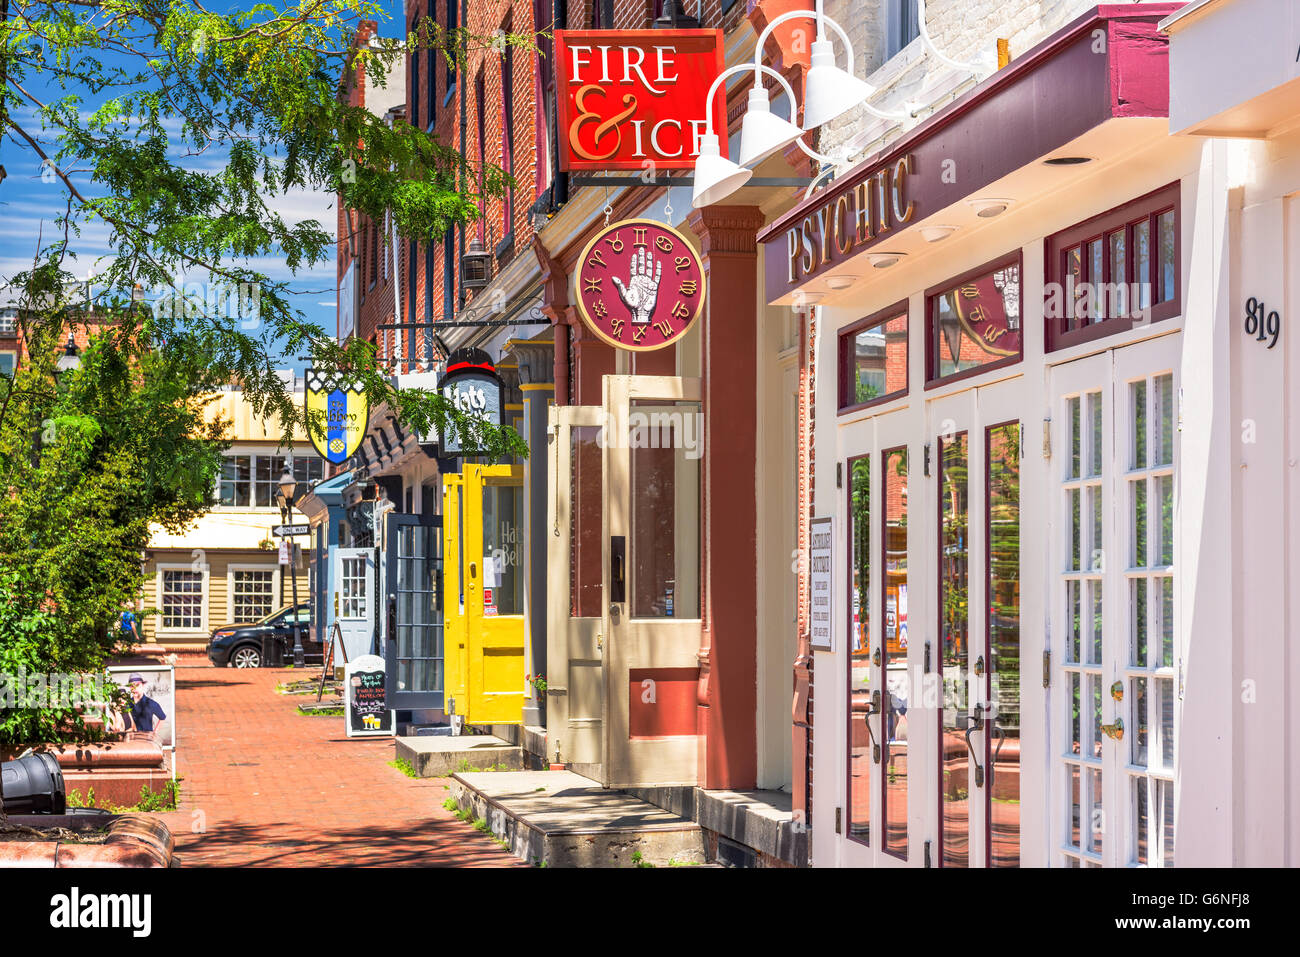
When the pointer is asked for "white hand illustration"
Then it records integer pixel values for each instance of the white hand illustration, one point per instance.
(642, 289)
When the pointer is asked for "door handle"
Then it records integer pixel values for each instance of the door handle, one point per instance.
(1114, 731)
(873, 708)
(473, 569)
(1002, 739)
(976, 724)
(617, 569)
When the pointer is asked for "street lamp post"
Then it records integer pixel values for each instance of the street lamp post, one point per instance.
(289, 486)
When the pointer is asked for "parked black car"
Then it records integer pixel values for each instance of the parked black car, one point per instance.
(265, 643)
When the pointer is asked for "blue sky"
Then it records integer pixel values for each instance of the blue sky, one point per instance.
(30, 203)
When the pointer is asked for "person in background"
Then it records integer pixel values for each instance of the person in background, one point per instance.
(129, 626)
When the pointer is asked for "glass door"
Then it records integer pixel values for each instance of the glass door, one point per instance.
(574, 641)
(1117, 677)
(975, 648)
(413, 581)
(653, 447)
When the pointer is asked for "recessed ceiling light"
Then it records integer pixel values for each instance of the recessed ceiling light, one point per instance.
(884, 260)
(988, 208)
(1067, 160)
(933, 234)
(840, 282)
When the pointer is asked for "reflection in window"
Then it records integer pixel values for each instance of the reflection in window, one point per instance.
(874, 362)
(503, 544)
(976, 322)
(584, 522)
(1003, 445)
(860, 735)
(894, 744)
(664, 456)
(956, 769)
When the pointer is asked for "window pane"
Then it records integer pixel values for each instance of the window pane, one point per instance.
(1076, 714)
(585, 577)
(1140, 815)
(1094, 592)
(976, 323)
(1138, 621)
(1163, 412)
(1138, 551)
(1073, 815)
(1165, 805)
(253, 594)
(1138, 423)
(954, 657)
(1142, 262)
(1165, 597)
(878, 362)
(1164, 489)
(1074, 623)
(860, 750)
(1074, 285)
(1096, 810)
(1094, 434)
(1075, 531)
(1138, 717)
(1003, 444)
(1094, 734)
(1117, 304)
(664, 551)
(1164, 714)
(182, 599)
(1096, 272)
(1165, 229)
(1076, 438)
(503, 533)
(894, 761)
(1096, 559)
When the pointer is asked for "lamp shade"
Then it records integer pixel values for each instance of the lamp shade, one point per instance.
(762, 132)
(716, 177)
(829, 91)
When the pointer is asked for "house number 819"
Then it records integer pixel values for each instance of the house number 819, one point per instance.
(1258, 325)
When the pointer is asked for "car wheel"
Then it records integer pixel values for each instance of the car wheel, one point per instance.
(246, 656)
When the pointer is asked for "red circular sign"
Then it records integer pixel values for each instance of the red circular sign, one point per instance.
(640, 285)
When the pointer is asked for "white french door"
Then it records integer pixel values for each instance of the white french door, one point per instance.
(1114, 641)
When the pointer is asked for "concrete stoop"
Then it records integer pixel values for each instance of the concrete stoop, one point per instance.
(437, 756)
(562, 819)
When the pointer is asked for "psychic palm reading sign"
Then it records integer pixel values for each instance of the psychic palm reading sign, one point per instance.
(640, 285)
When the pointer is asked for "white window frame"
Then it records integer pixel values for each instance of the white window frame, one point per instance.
(206, 571)
(234, 567)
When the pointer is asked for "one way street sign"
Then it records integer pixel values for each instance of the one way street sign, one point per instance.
(281, 531)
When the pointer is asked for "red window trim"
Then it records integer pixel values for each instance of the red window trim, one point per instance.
(1148, 207)
(933, 381)
(846, 335)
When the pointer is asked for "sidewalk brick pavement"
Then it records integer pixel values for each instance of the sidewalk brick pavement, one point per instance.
(264, 785)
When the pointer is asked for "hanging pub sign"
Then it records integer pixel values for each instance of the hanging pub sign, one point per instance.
(338, 408)
(634, 99)
(640, 285)
(473, 388)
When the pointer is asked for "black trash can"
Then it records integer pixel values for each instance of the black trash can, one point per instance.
(33, 785)
(272, 651)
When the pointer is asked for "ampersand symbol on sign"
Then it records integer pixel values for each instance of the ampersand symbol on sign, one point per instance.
(642, 289)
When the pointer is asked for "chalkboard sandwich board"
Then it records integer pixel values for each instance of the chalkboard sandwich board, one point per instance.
(367, 712)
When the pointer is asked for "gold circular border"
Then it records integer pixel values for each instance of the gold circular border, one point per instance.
(591, 323)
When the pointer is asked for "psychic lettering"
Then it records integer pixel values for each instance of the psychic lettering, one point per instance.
(855, 217)
(634, 99)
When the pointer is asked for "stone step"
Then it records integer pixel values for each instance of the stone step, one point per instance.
(562, 819)
(441, 755)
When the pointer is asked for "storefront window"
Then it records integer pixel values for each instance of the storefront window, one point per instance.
(860, 736)
(896, 697)
(974, 323)
(873, 359)
(1113, 271)
(665, 456)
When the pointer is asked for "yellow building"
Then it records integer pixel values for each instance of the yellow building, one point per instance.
(224, 568)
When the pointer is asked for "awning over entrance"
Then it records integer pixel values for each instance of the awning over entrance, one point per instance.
(1090, 91)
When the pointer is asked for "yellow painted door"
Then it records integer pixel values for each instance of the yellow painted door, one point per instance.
(455, 648)
(492, 539)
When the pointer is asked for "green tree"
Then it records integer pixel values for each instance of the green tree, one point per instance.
(93, 458)
(189, 124)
